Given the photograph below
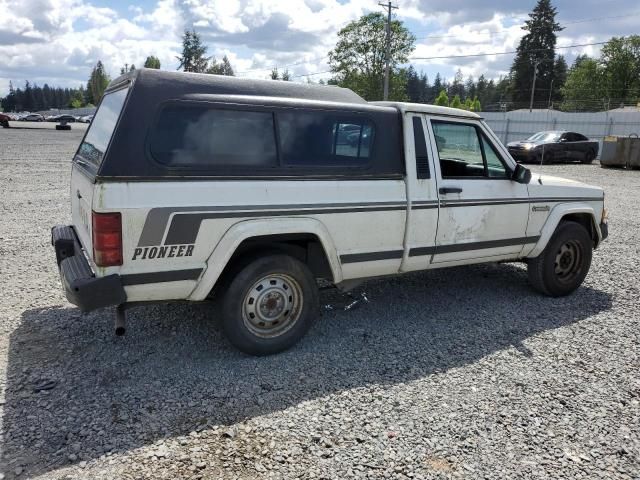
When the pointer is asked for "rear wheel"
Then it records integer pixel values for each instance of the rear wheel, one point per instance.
(269, 305)
(564, 263)
(589, 157)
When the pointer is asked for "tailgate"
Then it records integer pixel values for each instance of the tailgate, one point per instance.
(87, 161)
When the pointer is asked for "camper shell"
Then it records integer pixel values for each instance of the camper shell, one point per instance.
(152, 92)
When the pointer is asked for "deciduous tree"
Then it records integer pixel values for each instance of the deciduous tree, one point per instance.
(152, 62)
(358, 59)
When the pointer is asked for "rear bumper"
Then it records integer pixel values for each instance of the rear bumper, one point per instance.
(81, 287)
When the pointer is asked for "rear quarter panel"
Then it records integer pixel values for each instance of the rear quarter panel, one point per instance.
(216, 206)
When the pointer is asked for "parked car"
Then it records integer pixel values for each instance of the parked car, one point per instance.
(554, 146)
(86, 119)
(32, 117)
(4, 120)
(62, 118)
(198, 187)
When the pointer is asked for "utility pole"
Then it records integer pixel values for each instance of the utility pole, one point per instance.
(551, 92)
(387, 54)
(533, 86)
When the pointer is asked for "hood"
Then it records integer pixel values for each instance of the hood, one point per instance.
(550, 186)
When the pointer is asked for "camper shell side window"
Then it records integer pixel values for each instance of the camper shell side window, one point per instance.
(222, 138)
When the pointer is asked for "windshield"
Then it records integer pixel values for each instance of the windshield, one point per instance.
(544, 137)
(104, 122)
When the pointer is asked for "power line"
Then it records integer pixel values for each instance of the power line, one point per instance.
(301, 62)
(503, 53)
(311, 74)
(504, 30)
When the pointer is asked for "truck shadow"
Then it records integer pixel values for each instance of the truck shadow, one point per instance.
(74, 391)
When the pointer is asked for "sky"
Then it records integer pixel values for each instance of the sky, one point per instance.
(58, 41)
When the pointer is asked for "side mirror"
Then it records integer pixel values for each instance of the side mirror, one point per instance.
(521, 174)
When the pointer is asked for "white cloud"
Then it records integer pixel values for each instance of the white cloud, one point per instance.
(58, 41)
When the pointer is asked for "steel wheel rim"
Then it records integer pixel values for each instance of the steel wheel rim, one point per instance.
(272, 305)
(568, 261)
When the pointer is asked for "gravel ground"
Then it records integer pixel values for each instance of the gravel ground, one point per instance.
(459, 373)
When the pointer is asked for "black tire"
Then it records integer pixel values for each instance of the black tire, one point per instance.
(564, 263)
(269, 304)
(4, 124)
(589, 157)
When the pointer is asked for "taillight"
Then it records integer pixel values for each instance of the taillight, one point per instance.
(107, 239)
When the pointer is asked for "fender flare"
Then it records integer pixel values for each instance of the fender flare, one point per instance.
(553, 220)
(244, 230)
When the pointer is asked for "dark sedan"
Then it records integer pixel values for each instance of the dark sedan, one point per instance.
(554, 146)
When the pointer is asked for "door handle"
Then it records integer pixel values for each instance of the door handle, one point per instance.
(445, 190)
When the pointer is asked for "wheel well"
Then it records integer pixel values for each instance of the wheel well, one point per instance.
(586, 220)
(305, 247)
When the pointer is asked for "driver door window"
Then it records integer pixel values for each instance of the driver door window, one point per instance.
(465, 152)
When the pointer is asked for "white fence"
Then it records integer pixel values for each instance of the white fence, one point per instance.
(518, 124)
(78, 112)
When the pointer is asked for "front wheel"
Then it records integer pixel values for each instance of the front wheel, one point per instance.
(564, 263)
(269, 305)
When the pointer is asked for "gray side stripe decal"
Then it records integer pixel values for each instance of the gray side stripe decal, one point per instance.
(157, 219)
(436, 249)
(184, 230)
(158, 277)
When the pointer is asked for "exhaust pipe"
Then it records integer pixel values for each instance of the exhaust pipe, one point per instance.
(120, 320)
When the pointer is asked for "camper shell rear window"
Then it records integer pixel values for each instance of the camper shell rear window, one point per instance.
(96, 141)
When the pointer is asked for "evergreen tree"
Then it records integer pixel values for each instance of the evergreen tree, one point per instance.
(127, 68)
(28, 102)
(286, 76)
(437, 88)
(8, 103)
(470, 88)
(98, 81)
(193, 57)
(537, 46)
(559, 78)
(476, 106)
(152, 62)
(226, 67)
(274, 74)
(456, 103)
(222, 68)
(413, 85)
(457, 87)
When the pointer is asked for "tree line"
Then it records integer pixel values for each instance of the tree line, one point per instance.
(33, 98)
(358, 62)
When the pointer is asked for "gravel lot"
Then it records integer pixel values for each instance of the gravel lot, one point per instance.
(460, 373)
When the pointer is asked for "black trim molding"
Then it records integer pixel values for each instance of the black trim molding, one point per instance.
(436, 249)
(160, 277)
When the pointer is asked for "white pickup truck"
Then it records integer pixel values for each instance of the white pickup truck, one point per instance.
(201, 187)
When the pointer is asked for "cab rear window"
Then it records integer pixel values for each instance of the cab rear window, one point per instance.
(96, 141)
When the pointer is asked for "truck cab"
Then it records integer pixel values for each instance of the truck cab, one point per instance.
(199, 187)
